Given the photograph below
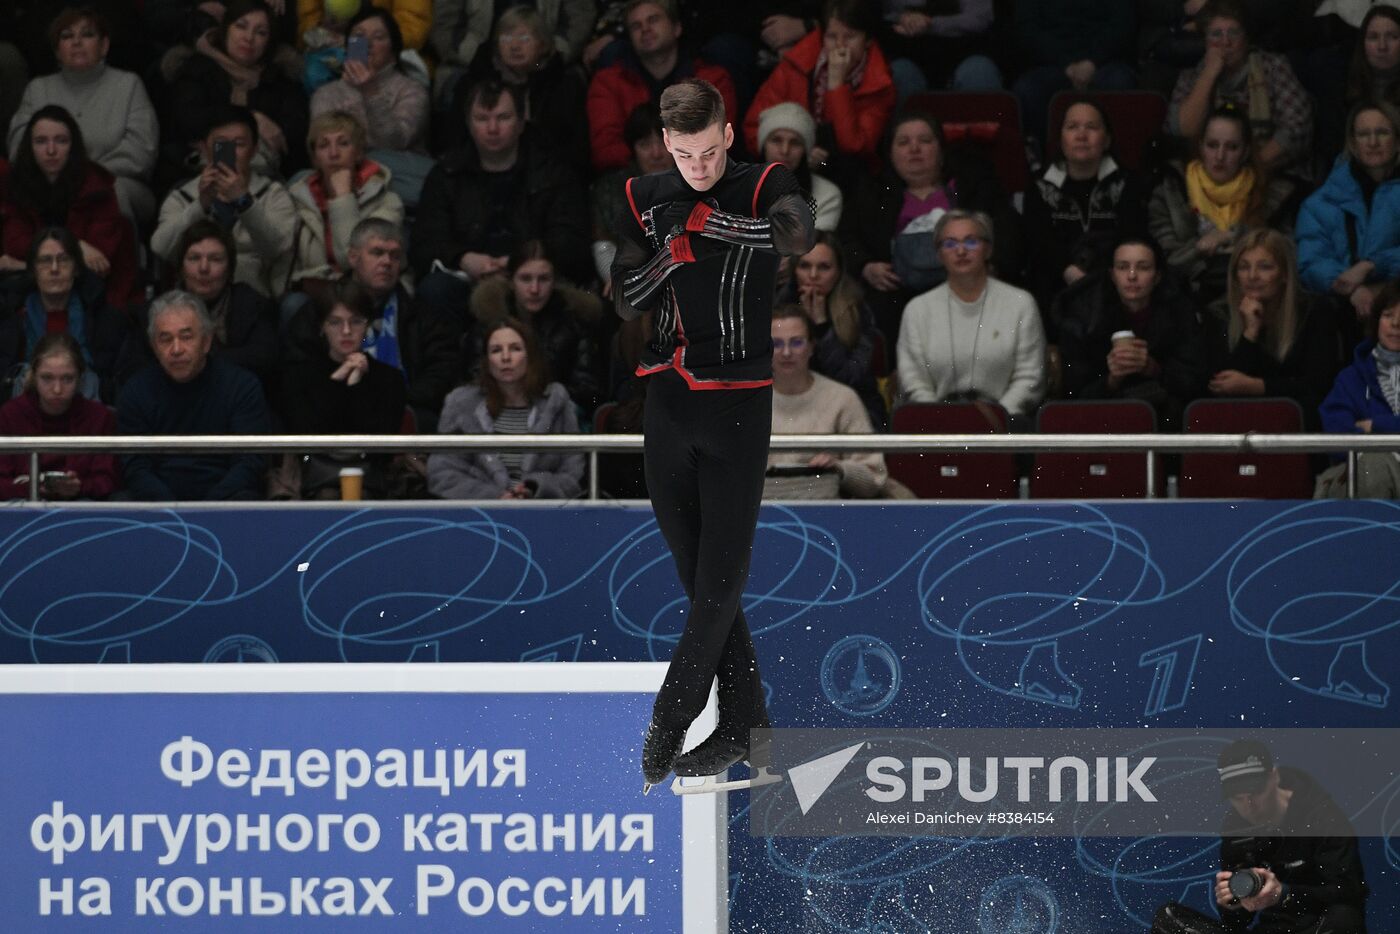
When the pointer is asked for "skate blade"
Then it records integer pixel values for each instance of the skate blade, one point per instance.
(709, 784)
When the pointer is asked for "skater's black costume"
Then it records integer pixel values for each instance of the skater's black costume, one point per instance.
(705, 264)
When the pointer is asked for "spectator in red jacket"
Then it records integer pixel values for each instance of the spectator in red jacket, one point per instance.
(51, 405)
(838, 73)
(653, 61)
(53, 183)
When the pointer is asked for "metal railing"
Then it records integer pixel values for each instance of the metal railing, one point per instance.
(594, 444)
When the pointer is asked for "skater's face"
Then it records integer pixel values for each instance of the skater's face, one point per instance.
(533, 284)
(1382, 43)
(1388, 328)
(1222, 149)
(700, 156)
(204, 268)
(817, 270)
(505, 356)
(792, 346)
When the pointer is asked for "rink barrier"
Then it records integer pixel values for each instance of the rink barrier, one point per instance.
(594, 444)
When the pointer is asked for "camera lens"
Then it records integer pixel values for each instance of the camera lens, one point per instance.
(1245, 883)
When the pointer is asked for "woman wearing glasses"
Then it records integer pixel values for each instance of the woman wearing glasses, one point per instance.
(974, 337)
(1260, 84)
(1348, 230)
(68, 298)
(523, 53)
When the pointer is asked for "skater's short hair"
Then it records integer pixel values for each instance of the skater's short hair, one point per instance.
(691, 106)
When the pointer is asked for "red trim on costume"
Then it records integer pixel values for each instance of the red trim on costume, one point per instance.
(701, 213)
(631, 203)
(681, 251)
(759, 187)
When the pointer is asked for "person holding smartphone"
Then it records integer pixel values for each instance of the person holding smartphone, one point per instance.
(51, 405)
(256, 210)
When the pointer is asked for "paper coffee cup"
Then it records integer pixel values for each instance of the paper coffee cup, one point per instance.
(352, 482)
(1122, 336)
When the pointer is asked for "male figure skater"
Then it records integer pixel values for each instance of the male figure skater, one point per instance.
(700, 249)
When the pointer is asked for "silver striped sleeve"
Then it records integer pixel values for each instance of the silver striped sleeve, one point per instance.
(789, 228)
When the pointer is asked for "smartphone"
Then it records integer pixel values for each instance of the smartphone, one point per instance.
(357, 50)
(226, 153)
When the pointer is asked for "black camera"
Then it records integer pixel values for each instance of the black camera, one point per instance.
(1245, 882)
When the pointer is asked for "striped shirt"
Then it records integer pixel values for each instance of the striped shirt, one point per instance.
(513, 421)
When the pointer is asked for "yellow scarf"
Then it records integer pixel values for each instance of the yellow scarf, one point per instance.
(1222, 205)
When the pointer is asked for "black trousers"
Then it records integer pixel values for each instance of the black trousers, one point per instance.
(1339, 919)
(706, 452)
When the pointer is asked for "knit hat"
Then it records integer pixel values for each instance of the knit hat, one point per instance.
(787, 116)
(1244, 767)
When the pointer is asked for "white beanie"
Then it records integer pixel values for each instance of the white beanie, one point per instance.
(787, 116)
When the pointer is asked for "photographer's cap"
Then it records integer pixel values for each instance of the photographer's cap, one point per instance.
(1244, 767)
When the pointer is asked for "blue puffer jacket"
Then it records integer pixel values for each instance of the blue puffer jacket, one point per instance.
(1323, 250)
(1357, 396)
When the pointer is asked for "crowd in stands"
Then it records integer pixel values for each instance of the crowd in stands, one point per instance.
(398, 216)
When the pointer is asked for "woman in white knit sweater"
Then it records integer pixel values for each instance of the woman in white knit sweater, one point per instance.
(974, 337)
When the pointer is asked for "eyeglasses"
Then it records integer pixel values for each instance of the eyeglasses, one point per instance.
(56, 261)
(1377, 134)
(967, 243)
(792, 344)
(347, 324)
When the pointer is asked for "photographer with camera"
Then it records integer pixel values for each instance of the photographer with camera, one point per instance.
(1288, 854)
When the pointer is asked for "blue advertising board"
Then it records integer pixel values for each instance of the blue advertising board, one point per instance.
(1007, 615)
(293, 797)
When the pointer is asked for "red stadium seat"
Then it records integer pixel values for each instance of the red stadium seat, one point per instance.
(1137, 118)
(1245, 476)
(1091, 475)
(991, 119)
(947, 474)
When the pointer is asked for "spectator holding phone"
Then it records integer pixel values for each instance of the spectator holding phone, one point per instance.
(51, 405)
(257, 210)
(388, 103)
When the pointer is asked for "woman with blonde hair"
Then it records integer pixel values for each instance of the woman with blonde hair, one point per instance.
(346, 187)
(1201, 207)
(843, 328)
(1272, 338)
